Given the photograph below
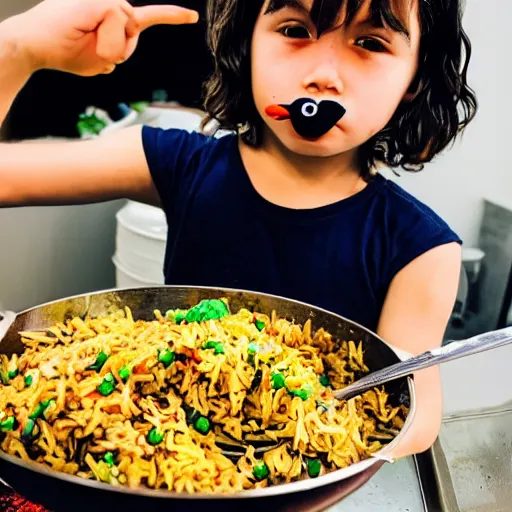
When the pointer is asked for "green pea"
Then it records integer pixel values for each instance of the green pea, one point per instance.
(302, 393)
(100, 361)
(107, 387)
(154, 437)
(278, 381)
(12, 374)
(109, 458)
(28, 380)
(166, 357)
(260, 470)
(260, 325)
(314, 467)
(177, 315)
(253, 348)
(29, 428)
(41, 409)
(124, 373)
(202, 425)
(324, 380)
(216, 345)
(8, 424)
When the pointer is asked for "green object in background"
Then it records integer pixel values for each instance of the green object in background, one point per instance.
(28, 380)
(139, 106)
(90, 125)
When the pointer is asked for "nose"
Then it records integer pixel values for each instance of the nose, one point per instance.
(323, 76)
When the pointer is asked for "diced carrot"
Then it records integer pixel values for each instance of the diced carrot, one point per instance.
(113, 409)
(141, 368)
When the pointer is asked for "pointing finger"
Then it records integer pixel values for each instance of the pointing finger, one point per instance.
(151, 15)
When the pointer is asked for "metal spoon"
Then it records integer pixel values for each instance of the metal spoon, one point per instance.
(453, 350)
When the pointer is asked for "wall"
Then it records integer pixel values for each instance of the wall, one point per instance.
(55, 252)
(478, 164)
(12, 7)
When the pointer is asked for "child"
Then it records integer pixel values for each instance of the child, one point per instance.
(268, 209)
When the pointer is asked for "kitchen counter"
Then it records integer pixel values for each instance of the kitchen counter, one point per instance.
(394, 488)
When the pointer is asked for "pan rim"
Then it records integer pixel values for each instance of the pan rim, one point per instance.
(308, 484)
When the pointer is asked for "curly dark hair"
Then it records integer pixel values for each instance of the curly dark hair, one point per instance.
(442, 106)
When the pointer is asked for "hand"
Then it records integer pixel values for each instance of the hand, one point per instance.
(86, 37)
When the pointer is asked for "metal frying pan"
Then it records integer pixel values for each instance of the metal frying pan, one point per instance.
(61, 492)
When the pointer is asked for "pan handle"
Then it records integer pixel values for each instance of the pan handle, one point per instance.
(6, 320)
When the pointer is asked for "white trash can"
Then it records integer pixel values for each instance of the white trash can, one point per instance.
(140, 245)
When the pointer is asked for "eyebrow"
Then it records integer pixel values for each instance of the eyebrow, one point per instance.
(403, 32)
(277, 5)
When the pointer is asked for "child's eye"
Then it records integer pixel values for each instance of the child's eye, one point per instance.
(295, 32)
(370, 44)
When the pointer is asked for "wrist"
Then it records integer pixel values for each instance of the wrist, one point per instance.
(13, 53)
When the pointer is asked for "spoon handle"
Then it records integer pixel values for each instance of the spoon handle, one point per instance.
(453, 350)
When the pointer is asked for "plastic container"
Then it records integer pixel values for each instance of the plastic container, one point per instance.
(472, 260)
(127, 279)
(141, 237)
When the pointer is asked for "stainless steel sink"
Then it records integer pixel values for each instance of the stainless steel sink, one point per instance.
(472, 462)
(469, 469)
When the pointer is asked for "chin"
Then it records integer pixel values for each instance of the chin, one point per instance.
(330, 144)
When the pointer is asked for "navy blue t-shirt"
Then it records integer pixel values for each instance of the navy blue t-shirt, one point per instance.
(223, 233)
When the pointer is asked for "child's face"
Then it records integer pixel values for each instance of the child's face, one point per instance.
(367, 69)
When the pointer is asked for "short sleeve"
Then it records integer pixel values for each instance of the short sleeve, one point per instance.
(173, 155)
(423, 231)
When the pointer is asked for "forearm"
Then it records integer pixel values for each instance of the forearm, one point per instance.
(14, 69)
(427, 420)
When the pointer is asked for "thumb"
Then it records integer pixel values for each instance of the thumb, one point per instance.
(151, 15)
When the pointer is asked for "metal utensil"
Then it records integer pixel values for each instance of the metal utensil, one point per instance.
(453, 350)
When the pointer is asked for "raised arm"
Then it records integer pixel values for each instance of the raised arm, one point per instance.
(85, 38)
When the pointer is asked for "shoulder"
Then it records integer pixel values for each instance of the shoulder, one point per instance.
(410, 227)
(180, 145)
(405, 212)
